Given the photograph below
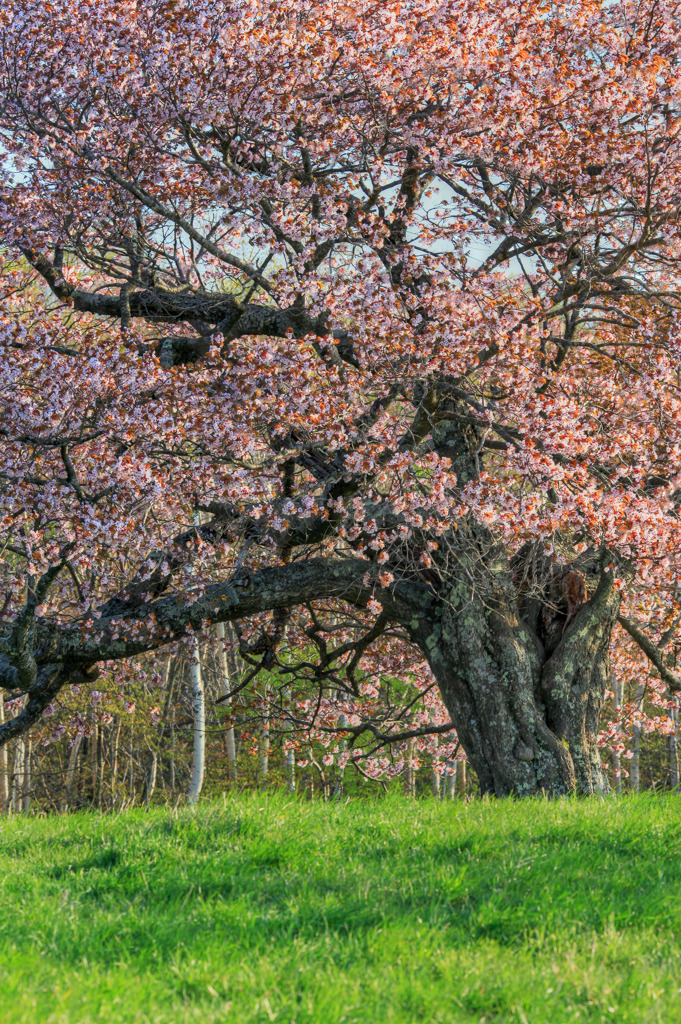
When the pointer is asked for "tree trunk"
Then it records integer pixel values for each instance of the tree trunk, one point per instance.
(291, 770)
(340, 769)
(449, 790)
(26, 795)
(636, 759)
(114, 761)
(636, 745)
(199, 747)
(264, 750)
(172, 751)
(616, 765)
(525, 699)
(94, 761)
(411, 774)
(4, 767)
(18, 776)
(151, 778)
(674, 750)
(70, 772)
(230, 671)
(131, 760)
(435, 782)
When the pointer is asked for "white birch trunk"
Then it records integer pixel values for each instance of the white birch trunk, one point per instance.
(199, 711)
(291, 770)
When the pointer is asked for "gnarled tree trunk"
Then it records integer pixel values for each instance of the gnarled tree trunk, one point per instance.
(525, 696)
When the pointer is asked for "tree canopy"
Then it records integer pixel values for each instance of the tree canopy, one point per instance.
(356, 325)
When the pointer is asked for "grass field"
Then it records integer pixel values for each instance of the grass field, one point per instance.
(262, 909)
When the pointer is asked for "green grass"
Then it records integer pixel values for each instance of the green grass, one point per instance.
(263, 909)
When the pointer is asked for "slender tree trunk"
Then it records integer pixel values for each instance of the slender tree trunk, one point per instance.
(71, 772)
(635, 774)
(462, 777)
(449, 789)
(131, 760)
(172, 751)
(4, 767)
(230, 672)
(674, 749)
(151, 778)
(616, 766)
(264, 742)
(101, 761)
(411, 774)
(340, 769)
(94, 761)
(264, 750)
(114, 761)
(18, 776)
(26, 801)
(435, 781)
(199, 712)
(291, 770)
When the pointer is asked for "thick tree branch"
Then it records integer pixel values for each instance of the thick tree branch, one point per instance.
(147, 626)
(651, 651)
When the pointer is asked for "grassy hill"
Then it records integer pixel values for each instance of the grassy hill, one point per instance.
(263, 909)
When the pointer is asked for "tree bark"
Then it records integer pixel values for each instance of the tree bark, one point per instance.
(636, 759)
(616, 765)
(526, 710)
(449, 790)
(4, 768)
(410, 782)
(674, 750)
(151, 778)
(635, 774)
(199, 746)
(70, 772)
(291, 770)
(26, 794)
(114, 761)
(229, 668)
(264, 745)
(18, 776)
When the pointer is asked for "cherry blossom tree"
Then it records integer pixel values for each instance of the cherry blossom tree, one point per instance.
(357, 326)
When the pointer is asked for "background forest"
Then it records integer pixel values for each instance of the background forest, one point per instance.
(133, 743)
